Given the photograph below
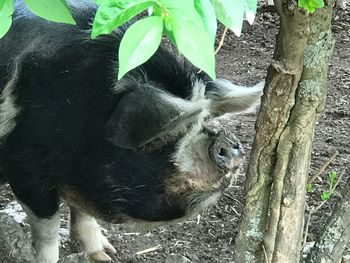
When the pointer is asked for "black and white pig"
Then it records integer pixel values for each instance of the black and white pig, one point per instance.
(134, 150)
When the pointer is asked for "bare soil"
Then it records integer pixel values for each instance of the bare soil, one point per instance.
(210, 237)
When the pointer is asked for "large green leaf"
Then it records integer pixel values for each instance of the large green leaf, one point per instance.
(6, 12)
(250, 10)
(139, 43)
(2, 3)
(230, 13)
(53, 10)
(98, 2)
(112, 14)
(206, 10)
(191, 38)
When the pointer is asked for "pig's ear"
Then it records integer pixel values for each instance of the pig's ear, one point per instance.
(226, 97)
(145, 114)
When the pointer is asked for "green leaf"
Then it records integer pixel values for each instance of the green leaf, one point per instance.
(332, 178)
(312, 9)
(230, 13)
(325, 196)
(250, 10)
(112, 14)
(207, 13)
(99, 2)
(53, 10)
(6, 12)
(2, 3)
(310, 188)
(302, 3)
(170, 35)
(139, 43)
(311, 5)
(198, 48)
(191, 38)
(317, 3)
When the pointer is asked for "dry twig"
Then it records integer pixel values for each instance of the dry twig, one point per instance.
(148, 250)
(222, 40)
(265, 254)
(324, 166)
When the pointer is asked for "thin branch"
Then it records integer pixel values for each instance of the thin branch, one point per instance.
(265, 254)
(324, 166)
(307, 227)
(148, 250)
(222, 40)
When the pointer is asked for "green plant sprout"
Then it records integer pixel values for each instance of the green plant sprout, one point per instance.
(311, 5)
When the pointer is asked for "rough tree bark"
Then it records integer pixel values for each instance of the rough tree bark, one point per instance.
(272, 221)
(335, 237)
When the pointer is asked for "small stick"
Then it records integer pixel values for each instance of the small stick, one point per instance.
(131, 234)
(307, 227)
(265, 254)
(222, 40)
(198, 219)
(324, 166)
(148, 250)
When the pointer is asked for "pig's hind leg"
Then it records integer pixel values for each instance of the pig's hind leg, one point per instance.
(85, 229)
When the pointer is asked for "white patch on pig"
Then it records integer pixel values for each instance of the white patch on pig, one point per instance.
(45, 236)
(192, 153)
(188, 105)
(207, 203)
(232, 98)
(191, 113)
(8, 108)
(85, 229)
(198, 90)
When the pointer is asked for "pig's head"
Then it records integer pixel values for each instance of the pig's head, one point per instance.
(202, 159)
(151, 120)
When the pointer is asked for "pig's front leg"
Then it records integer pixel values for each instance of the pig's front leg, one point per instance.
(85, 229)
(44, 235)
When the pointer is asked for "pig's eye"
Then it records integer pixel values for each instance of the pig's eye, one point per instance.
(208, 131)
(236, 146)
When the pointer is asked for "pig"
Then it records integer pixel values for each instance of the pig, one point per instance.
(137, 150)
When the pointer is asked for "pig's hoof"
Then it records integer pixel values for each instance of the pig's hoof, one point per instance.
(106, 245)
(85, 229)
(100, 256)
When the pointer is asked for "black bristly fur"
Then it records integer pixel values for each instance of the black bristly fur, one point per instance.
(65, 93)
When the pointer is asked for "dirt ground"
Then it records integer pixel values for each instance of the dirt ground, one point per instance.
(210, 237)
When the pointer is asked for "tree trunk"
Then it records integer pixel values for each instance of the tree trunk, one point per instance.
(335, 237)
(272, 221)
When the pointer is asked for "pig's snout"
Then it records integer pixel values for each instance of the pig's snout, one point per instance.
(226, 151)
